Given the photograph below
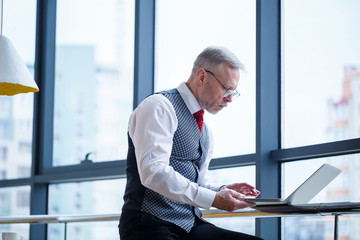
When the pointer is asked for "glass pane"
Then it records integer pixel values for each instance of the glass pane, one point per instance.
(228, 176)
(233, 175)
(321, 228)
(94, 79)
(96, 197)
(15, 201)
(321, 64)
(182, 32)
(237, 224)
(107, 230)
(341, 189)
(16, 112)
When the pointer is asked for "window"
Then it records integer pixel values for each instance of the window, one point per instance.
(95, 197)
(321, 69)
(23, 199)
(85, 230)
(5, 130)
(94, 66)
(25, 147)
(179, 39)
(93, 97)
(19, 27)
(3, 154)
(319, 227)
(5, 107)
(228, 176)
(2, 174)
(343, 188)
(23, 171)
(321, 73)
(14, 201)
(4, 200)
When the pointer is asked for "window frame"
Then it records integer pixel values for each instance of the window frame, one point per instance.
(268, 156)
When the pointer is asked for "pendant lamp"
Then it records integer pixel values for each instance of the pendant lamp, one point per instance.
(15, 77)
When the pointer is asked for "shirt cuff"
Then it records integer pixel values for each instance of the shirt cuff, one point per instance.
(205, 198)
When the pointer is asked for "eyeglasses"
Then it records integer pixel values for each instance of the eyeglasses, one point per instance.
(233, 93)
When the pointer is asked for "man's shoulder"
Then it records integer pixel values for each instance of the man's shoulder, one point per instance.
(169, 92)
(154, 102)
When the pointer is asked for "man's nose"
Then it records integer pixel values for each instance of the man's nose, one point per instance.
(228, 99)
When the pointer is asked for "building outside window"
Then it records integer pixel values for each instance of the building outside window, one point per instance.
(19, 27)
(321, 79)
(96, 72)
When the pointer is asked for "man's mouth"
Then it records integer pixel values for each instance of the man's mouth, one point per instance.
(223, 105)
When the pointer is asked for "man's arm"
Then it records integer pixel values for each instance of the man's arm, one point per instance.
(151, 128)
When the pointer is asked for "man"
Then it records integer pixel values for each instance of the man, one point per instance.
(169, 153)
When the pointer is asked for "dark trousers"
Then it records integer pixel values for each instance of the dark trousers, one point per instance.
(137, 225)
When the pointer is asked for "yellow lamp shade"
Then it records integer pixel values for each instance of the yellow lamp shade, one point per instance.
(14, 75)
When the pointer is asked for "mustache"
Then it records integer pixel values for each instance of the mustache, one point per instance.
(224, 104)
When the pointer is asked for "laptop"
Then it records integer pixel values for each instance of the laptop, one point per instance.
(306, 191)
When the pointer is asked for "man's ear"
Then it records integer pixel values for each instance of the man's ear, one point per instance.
(200, 76)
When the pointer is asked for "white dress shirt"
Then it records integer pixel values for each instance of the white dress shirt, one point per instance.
(151, 127)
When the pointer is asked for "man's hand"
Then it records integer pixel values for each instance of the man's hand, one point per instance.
(244, 188)
(228, 199)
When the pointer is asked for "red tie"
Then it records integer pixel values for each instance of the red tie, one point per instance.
(199, 116)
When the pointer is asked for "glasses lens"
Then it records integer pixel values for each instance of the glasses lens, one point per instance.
(234, 94)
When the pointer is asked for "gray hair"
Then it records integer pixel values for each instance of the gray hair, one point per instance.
(213, 57)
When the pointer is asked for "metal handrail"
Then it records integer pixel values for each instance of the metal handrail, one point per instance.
(320, 209)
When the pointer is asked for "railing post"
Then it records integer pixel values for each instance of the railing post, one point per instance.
(65, 230)
(336, 224)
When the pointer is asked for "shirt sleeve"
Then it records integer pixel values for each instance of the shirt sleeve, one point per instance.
(151, 128)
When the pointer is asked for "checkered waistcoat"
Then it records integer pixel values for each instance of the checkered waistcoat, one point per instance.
(189, 151)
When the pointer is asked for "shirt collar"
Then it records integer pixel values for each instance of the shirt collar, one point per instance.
(188, 98)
